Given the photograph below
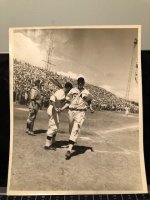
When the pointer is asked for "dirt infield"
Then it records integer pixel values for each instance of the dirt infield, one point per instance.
(106, 156)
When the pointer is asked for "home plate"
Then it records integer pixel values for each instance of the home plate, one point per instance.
(85, 138)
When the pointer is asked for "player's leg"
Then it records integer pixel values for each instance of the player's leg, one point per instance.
(70, 119)
(50, 139)
(78, 122)
(33, 115)
(51, 131)
(54, 139)
(30, 125)
(56, 124)
(56, 117)
(30, 121)
(29, 118)
(27, 125)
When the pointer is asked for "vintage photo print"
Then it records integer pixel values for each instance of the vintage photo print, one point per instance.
(76, 111)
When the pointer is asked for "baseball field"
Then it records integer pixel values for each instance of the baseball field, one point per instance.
(105, 158)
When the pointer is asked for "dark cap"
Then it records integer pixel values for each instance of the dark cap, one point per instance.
(81, 80)
(68, 85)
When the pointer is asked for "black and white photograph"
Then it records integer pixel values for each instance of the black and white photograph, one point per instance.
(76, 111)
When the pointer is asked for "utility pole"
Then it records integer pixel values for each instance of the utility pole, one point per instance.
(48, 62)
(130, 71)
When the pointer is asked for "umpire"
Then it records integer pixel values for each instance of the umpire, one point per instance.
(35, 103)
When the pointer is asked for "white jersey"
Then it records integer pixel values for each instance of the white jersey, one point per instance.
(26, 95)
(127, 109)
(76, 98)
(58, 97)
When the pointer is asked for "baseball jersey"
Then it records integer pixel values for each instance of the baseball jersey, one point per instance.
(35, 95)
(58, 97)
(76, 98)
(127, 109)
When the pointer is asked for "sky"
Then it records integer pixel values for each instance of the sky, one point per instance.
(103, 56)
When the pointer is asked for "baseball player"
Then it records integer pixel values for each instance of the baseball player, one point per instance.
(127, 110)
(57, 100)
(35, 103)
(79, 100)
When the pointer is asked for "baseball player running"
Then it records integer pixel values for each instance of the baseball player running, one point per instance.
(35, 103)
(57, 100)
(79, 100)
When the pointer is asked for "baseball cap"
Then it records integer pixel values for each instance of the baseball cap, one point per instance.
(81, 80)
(68, 85)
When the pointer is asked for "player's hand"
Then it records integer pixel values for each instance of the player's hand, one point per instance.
(57, 109)
(60, 109)
(91, 110)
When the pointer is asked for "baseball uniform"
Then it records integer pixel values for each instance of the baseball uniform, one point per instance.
(35, 101)
(53, 125)
(76, 112)
(58, 98)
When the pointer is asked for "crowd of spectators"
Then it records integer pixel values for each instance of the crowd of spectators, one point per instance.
(105, 100)
(25, 75)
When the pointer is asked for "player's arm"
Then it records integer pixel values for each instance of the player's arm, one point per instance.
(67, 101)
(64, 107)
(91, 108)
(53, 101)
(89, 102)
(88, 99)
(54, 105)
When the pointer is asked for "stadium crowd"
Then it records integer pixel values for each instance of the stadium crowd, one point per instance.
(25, 75)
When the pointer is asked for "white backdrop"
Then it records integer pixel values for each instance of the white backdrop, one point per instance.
(26, 13)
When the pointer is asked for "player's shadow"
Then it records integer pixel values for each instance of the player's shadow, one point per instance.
(61, 144)
(39, 131)
(80, 150)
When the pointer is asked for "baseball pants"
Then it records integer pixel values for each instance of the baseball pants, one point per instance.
(76, 119)
(32, 116)
(53, 121)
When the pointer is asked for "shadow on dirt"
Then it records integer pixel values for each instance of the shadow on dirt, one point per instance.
(61, 144)
(76, 149)
(44, 131)
(39, 131)
(80, 150)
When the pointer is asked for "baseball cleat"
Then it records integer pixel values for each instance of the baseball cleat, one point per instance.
(27, 130)
(31, 133)
(68, 155)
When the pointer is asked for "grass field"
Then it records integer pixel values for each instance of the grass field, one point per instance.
(106, 156)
